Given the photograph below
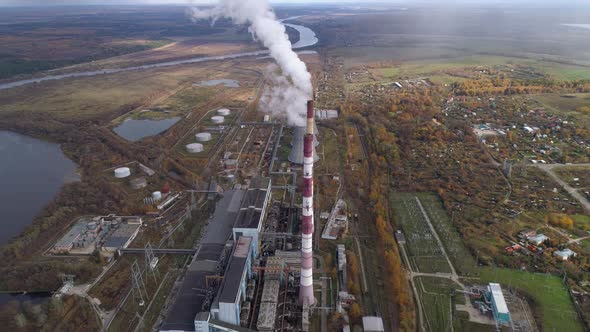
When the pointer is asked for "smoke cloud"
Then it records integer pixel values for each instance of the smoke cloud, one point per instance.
(291, 88)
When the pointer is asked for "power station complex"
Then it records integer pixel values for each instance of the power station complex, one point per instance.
(247, 274)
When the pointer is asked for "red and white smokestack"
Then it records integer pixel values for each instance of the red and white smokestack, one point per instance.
(306, 296)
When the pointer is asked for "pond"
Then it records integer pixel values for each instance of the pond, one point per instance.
(226, 82)
(32, 172)
(134, 129)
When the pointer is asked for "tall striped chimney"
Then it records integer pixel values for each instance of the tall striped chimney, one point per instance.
(306, 290)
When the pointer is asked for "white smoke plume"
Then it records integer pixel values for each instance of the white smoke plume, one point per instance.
(288, 91)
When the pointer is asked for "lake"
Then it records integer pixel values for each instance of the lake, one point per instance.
(226, 82)
(134, 130)
(32, 172)
(33, 298)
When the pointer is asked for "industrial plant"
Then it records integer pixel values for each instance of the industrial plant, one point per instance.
(247, 274)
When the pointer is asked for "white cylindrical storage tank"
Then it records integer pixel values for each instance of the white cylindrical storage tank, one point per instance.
(218, 119)
(203, 137)
(194, 148)
(156, 195)
(224, 112)
(122, 172)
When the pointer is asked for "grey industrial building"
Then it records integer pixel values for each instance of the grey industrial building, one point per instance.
(226, 252)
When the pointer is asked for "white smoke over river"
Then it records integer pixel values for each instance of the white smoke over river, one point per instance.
(290, 87)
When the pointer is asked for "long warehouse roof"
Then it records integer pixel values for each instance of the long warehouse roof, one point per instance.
(498, 298)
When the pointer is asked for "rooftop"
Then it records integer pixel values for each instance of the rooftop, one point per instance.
(270, 292)
(121, 235)
(498, 298)
(243, 246)
(232, 280)
(191, 295)
(373, 323)
(72, 234)
(267, 316)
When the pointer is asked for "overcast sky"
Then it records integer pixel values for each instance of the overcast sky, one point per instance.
(112, 2)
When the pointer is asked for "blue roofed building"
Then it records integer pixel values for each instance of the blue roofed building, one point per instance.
(499, 307)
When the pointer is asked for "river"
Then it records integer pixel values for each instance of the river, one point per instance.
(306, 38)
(31, 173)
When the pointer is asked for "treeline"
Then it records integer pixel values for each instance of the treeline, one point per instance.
(503, 86)
(384, 155)
(68, 313)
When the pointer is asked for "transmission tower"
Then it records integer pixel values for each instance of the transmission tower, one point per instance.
(139, 290)
(151, 261)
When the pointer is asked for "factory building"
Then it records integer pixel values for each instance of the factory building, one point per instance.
(233, 231)
(252, 212)
(232, 293)
(108, 233)
(194, 295)
(495, 296)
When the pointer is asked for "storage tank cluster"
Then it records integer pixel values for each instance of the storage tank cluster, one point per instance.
(218, 119)
(203, 137)
(223, 112)
(194, 148)
(122, 172)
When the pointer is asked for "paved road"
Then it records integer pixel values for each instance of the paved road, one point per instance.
(548, 168)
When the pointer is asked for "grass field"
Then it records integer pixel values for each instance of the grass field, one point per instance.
(582, 222)
(436, 295)
(97, 97)
(567, 106)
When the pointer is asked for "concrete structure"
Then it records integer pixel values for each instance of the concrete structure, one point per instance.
(564, 254)
(496, 298)
(292, 259)
(373, 324)
(223, 112)
(203, 137)
(252, 212)
(122, 172)
(306, 296)
(121, 237)
(109, 233)
(337, 224)
(138, 183)
(194, 148)
(326, 114)
(218, 119)
(296, 155)
(227, 308)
